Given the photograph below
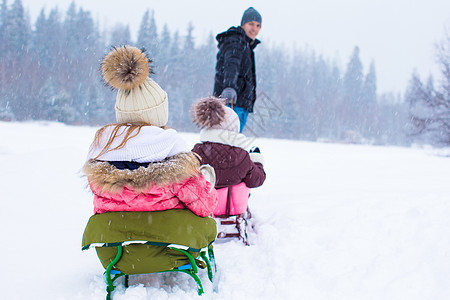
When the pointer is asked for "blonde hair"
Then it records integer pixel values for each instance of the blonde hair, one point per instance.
(130, 131)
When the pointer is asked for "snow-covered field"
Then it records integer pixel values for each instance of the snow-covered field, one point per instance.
(334, 222)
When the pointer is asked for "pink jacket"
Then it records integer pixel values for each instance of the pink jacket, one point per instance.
(174, 183)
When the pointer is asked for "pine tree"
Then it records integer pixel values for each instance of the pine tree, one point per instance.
(165, 42)
(18, 33)
(70, 36)
(89, 53)
(188, 78)
(120, 35)
(80, 54)
(174, 70)
(333, 102)
(369, 88)
(153, 45)
(353, 80)
(5, 109)
(3, 27)
(39, 35)
(54, 40)
(143, 34)
(148, 36)
(369, 101)
(18, 62)
(293, 100)
(205, 73)
(189, 63)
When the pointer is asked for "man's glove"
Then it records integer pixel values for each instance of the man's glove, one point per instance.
(255, 150)
(229, 94)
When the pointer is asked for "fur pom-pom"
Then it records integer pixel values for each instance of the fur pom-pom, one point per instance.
(125, 67)
(208, 112)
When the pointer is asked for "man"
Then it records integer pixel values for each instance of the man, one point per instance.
(235, 78)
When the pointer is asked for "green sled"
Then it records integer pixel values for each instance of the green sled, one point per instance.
(150, 242)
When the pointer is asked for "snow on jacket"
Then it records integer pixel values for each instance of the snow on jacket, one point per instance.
(223, 150)
(236, 66)
(171, 179)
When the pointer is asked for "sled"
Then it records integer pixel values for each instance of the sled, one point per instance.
(232, 212)
(131, 243)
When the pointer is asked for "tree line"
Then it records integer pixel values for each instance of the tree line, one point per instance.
(49, 71)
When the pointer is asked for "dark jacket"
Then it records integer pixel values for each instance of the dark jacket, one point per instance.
(236, 66)
(232, 164)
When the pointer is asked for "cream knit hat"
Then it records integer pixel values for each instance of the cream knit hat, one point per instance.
(212, 113)
(139, 98)
(146, 103)
(231, 121)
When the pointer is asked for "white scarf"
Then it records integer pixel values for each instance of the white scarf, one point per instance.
(150, 145)
(226, 137)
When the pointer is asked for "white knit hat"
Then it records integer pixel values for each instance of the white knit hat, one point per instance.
(139, 98)
(212, 113)
(230, 121)
(146, 103)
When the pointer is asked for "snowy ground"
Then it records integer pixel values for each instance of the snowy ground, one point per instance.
(334, 222)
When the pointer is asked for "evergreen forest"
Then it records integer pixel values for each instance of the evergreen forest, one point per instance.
(49, 70)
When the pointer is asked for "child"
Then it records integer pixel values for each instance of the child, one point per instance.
(138, 164)
(222, 148)
(152, 204)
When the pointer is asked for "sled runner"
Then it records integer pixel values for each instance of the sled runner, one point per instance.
(232, 212)
(129, 243)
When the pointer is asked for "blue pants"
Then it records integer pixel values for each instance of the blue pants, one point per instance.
(242, 114)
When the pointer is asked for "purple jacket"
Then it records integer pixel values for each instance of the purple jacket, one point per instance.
(231, 163)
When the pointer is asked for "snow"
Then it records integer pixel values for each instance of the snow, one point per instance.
(333, 222)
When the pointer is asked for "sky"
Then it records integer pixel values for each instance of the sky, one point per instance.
(398, 35)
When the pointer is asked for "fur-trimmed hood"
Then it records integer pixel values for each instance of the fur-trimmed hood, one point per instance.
(175, 169)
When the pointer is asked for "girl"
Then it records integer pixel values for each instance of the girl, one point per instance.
(138, 164)
(222, 147)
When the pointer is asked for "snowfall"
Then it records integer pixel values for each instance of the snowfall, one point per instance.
(332, 221)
